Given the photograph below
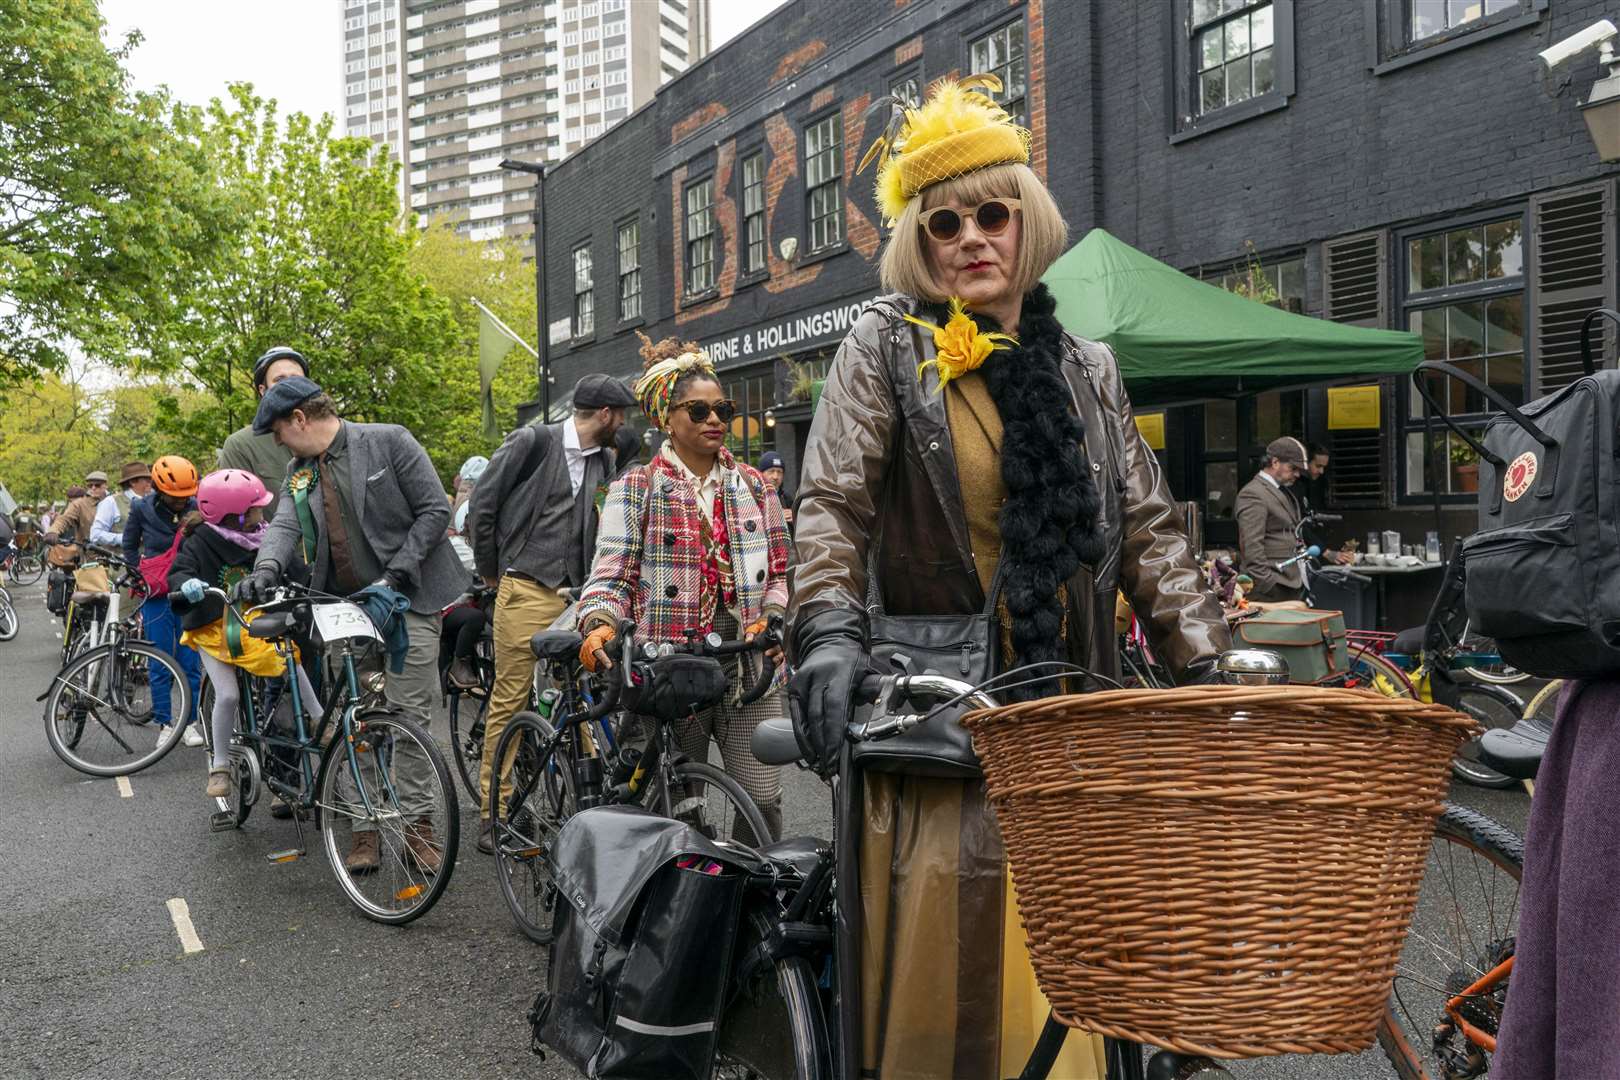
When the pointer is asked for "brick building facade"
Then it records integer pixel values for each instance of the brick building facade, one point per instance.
(1397, 163)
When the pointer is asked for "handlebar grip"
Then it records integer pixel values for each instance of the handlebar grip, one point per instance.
(868, 689)
(767, 676)
(1328, 519)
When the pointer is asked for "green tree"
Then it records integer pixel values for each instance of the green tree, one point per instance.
(105, 199)
(322, 262)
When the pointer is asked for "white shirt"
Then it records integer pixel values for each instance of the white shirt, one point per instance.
(1271, 479)
(705, 486)
(575, 455)
(108, 527)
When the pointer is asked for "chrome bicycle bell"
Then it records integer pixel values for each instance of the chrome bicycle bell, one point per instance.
(1251, 667)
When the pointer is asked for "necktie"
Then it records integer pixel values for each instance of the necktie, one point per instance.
(337, 533)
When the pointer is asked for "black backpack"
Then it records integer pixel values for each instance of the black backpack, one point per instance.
(1542, 574)
(646, 923)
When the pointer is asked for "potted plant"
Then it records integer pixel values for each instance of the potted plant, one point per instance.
(1465, 467)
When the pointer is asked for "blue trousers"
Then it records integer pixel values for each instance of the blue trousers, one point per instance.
(162, 628)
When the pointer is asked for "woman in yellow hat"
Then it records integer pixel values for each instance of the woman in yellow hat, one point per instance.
(971, 455)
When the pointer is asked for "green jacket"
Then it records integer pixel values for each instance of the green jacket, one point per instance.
(260, 455)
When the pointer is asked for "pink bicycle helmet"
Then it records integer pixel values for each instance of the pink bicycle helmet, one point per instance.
(228, 492)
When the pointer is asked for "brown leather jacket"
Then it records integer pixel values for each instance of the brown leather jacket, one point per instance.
(879, 461)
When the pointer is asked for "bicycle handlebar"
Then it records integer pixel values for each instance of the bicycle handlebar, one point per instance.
(762, 643)
(626, 638)
(884, 691)
(1309, 553)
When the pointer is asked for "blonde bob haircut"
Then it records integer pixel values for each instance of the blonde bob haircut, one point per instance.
(1042, 238)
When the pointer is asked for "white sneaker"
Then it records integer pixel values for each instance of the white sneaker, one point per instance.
(193, 736)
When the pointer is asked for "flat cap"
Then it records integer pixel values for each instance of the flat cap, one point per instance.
(1287, 449)
(97, 477)
(602, 392)
(281, 399)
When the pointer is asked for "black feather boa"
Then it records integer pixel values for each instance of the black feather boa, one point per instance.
(1049, 523)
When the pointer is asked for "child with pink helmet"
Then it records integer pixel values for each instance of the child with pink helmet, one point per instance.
(222, 540)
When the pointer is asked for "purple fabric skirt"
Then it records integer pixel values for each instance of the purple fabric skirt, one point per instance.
(1563, 1009)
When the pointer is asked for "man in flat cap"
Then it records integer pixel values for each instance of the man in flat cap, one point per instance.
(533, 528)
(1266, 518)
(362, 505)
(76, 522)
(260, 454)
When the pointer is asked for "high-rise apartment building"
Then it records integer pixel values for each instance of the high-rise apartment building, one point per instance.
(484, 80)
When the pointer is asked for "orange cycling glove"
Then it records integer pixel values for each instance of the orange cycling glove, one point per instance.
(755, 628)
(596, 639)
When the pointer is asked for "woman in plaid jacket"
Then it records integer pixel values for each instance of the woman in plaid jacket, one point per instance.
(694, 540)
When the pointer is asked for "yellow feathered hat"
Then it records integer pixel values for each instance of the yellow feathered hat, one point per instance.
(958, 129)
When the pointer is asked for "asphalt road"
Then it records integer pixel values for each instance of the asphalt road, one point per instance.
(290, 981)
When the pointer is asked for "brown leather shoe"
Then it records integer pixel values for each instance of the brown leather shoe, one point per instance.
(486, 836)
(365, 856)
(424, 849)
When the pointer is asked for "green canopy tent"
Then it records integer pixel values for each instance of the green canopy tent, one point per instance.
(1179, 339)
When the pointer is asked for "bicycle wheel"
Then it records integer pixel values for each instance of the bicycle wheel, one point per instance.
(88, 724)
(525, 828)
(712, 802)
(133, 687)
(1497, 674)
(1371, 671)
(775, 1027)
(1493, 707)
(1545, 704)
(1465, 924)
(417, 833)
(8, 618)
(27, 569)
(467, 738)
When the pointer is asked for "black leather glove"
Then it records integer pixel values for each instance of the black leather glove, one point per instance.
(830, 647)
(255, 588)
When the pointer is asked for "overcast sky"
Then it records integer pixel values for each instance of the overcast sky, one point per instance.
(288, 49)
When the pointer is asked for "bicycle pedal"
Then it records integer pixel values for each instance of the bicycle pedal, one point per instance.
(222, 821)
(289, 855)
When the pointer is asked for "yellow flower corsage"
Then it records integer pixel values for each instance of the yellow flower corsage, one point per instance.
(962, 347)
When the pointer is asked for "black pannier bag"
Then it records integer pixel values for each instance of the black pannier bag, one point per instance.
(645, 929)
(1543, 572)
(58, 591)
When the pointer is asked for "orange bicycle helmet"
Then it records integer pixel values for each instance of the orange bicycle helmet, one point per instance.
(174, 475)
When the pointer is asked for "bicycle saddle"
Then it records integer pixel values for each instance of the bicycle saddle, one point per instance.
(273, 624)
(556, 645)
(800, 852)
(1515, 751)
(773, 742)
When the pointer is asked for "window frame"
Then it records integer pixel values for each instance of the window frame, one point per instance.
(579, 328)
(688, 241)
(746, 268)
(990, 29)
(624, 272)
(1186, 122)
(1388, 47)
(911, 70)
(1409, 420)
(835, 115)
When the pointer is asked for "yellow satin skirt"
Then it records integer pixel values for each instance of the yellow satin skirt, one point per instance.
(256, 656)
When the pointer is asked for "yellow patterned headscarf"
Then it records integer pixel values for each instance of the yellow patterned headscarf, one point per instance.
(957, 130)
(656, 387)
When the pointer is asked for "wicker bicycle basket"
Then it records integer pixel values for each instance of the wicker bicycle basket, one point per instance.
(1219, 869)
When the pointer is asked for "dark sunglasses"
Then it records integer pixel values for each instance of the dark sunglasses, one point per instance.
(699, 410)
(991, 216)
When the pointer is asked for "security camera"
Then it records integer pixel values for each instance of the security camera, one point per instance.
(1599, 33)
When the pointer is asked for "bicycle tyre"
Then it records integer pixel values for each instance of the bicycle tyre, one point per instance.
(1409, 1046)
(380, 733)
(66, 739)
(27, 569)
(1545, 703)
(525, 829)
(774, 1028)
(687, 773)
(1493, 707)
(468, 747)
(1381, 675)
(8, 618)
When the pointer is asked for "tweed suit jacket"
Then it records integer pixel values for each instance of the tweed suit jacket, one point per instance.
(400, 503)
(650, 555)
(1266, 516)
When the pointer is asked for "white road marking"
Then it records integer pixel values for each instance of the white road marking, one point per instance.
(181, 914)
(123, 787)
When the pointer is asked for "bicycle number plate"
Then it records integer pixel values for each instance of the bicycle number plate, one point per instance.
(342, 621)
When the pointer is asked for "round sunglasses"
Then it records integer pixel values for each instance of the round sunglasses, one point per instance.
(944, 223)
(699, 410)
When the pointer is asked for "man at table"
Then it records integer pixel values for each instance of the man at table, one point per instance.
(1266, 518)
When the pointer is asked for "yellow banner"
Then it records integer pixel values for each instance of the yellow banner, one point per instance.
(1353, 407)
(1151, 427)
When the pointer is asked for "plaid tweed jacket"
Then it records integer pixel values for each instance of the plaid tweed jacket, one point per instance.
(649, 551)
